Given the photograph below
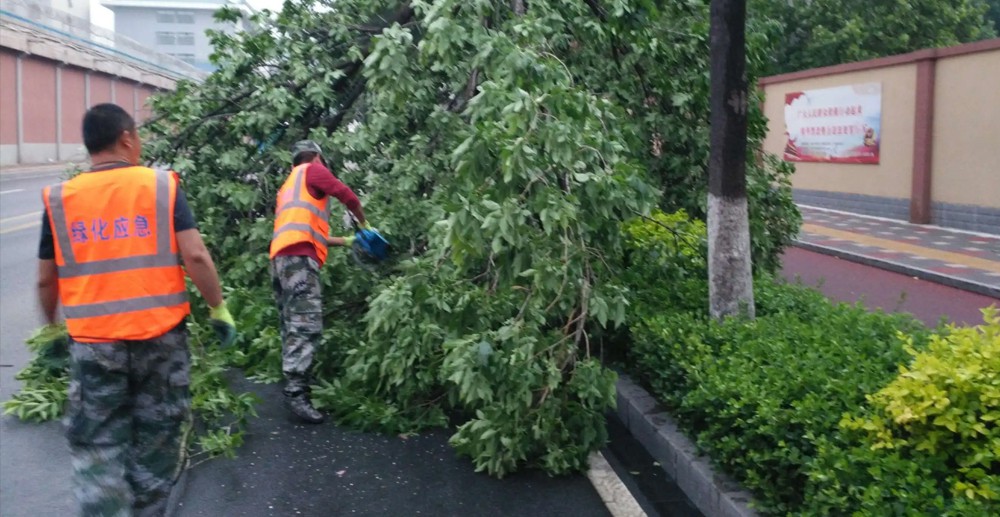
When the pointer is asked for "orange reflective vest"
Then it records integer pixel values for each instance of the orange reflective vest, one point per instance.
(120, 276)
(299, 217)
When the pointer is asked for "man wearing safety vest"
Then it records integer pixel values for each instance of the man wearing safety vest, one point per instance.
(298, 249)
(113, 241)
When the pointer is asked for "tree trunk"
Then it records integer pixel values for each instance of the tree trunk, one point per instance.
(518, 7)
(729, 269)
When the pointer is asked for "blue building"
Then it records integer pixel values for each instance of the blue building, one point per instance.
(175, 27)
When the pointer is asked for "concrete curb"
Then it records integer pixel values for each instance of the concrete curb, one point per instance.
(614, 493)
(174, 505)
(896, 267)
(713, 493)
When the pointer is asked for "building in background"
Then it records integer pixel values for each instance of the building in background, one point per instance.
(54, 65)
(77, 8)
(174, 27)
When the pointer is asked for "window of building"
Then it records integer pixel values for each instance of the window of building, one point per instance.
(165, 16)
(184, 17)
(185, 38)
(166, 38)
(187, 58)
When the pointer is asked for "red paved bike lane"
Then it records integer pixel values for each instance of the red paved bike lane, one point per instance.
(846, 281)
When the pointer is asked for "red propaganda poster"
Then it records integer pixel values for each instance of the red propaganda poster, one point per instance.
(834, 125)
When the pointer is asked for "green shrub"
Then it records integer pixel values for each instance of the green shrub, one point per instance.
(666, 263)
(760, 397)
(929, 440)
(757, 394)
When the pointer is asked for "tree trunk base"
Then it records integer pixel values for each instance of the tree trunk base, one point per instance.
(730, 276)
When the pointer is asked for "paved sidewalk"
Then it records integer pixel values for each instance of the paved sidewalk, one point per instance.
(965, 260)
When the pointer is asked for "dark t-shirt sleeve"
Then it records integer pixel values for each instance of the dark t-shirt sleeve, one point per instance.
(46, 248)
(183, 216)
(321, 181)
(183, 220)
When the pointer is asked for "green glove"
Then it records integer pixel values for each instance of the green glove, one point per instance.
(367, 225)
(349, 240)
(223, 324)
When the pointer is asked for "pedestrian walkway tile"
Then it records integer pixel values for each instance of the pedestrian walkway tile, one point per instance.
(966, 256)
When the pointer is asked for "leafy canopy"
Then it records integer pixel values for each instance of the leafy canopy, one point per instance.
(818, 33)
(500, 153)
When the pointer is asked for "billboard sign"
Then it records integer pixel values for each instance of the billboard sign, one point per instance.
(834, 125)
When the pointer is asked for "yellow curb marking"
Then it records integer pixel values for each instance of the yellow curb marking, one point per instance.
(945, 256)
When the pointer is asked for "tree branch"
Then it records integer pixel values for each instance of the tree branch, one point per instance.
(597, 9)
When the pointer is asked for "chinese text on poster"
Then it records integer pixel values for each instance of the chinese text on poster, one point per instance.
(834, 125)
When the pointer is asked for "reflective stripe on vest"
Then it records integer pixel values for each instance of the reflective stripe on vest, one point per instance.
(297, 202)
(319, 240)
(129, 297)
(299, 227)
(93, 310)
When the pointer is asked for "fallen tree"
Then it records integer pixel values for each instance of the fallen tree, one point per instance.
(500, 146)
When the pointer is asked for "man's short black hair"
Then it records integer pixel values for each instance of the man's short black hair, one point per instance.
(103, 124)
(305, 157)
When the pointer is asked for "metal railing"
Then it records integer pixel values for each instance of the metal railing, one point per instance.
(80, 31)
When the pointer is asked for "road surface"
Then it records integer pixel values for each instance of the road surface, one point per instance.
(34, 461)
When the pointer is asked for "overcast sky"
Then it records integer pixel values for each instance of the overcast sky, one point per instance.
(102, 16)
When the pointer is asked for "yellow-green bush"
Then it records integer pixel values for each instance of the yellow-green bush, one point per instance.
(945, 407)
(667, 263)
(928, 443)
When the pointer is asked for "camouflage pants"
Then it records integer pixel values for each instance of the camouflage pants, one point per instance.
(128, 401)
(297, 290)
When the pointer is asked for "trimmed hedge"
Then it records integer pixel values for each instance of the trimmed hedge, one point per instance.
(782, 402)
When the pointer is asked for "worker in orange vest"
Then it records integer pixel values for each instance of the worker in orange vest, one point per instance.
(113, 240)
(298, 249)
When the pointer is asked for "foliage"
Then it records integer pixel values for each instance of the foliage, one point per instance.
(781, 402)
(666, 263)
(760, 397)
(829, 32)
(994, 13)
(43, 394)
(220, 415)
(757, 394)
(659, 73)
(499, 153)
(929, 438)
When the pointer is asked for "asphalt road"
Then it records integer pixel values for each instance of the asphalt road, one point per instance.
(34, 461)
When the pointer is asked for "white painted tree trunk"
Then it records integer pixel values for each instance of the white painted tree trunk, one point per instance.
(730, 276)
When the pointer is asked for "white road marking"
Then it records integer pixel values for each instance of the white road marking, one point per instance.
(11, 191)
(614, 493)
(22, 216)
(19, 228)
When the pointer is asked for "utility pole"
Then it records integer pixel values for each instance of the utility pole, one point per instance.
(730, 275)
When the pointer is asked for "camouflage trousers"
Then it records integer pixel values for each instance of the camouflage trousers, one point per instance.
(300, 304)
(128, 402)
